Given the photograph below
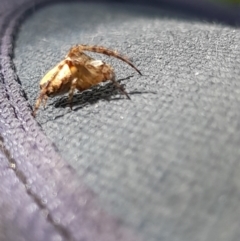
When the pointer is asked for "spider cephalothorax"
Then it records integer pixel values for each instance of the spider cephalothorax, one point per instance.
(79, 71)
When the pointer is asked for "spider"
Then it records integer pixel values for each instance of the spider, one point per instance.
(79, 71)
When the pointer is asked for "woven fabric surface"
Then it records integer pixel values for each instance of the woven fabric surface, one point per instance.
(161, 166)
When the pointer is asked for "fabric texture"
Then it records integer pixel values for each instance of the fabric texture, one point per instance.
(161, 166)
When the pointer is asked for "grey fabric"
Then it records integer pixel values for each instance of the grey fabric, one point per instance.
(167, 162)
(163, 166)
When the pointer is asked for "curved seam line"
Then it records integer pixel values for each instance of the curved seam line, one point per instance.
(37, 200)
(12, 162)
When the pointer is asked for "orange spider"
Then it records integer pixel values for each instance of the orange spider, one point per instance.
(79, 71)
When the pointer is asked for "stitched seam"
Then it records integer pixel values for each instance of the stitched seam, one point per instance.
(23, 179)
(63, 231)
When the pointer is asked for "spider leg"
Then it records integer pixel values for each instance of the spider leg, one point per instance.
(113, 79)
(45, 100)
(71, 92)
(102, 50)
(38, 103)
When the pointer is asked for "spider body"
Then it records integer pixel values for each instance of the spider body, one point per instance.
(78, 71)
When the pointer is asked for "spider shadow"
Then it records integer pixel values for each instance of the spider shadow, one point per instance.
(103, 91)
